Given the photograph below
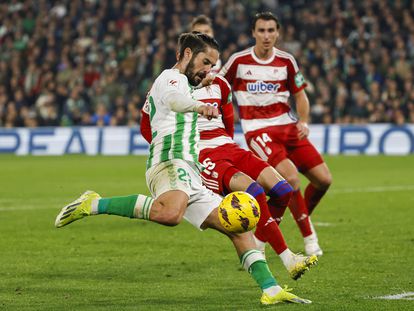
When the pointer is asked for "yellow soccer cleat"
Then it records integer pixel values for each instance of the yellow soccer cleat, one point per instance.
(283, 296)
(300, 264)
(77, 209)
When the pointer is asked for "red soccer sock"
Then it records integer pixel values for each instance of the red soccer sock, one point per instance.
(267, 230)
(299, 211)
(280, 195)
(277, 208)
(312, 197)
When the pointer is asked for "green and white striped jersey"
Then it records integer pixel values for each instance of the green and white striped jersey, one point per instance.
(174, 135)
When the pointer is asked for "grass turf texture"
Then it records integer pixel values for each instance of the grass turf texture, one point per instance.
(114, 263)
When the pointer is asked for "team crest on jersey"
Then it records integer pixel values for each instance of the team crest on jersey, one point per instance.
(262, 87)
(173, 83)
(299, 79)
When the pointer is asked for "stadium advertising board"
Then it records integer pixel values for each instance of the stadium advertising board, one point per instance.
(331, 139)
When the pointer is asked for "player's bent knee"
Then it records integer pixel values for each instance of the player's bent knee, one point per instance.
(324, 182)
(172, 220)
(294, 181)
(327, 181)
(167, 214)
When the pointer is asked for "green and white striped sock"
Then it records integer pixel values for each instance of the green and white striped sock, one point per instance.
(255, 263)
(132, 206)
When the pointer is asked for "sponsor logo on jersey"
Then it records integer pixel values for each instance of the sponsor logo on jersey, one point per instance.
(248, 73)
(299, 79)
(173, 83)
(262, 87)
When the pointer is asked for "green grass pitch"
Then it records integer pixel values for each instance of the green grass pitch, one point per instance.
(365, 227)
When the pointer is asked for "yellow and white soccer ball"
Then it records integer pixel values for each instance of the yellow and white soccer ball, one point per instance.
(239, 212)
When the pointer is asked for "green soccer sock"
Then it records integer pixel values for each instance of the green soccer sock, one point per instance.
(132, 206)
(255, 263)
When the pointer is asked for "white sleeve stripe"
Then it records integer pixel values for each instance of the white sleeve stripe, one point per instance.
(225, 81)
(231, 60)
(288, 56)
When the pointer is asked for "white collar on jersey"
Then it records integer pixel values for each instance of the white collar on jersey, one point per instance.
(264, 62)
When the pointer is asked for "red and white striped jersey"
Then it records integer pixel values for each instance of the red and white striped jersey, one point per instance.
(215, 132)
(262, 88)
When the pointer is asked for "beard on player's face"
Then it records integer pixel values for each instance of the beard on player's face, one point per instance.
(194, 78)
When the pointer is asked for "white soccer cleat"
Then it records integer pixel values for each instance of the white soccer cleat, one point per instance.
(312, 248)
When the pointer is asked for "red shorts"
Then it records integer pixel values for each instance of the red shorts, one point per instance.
(221, 163)
(276, 143)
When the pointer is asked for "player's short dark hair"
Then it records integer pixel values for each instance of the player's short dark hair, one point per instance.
(267, 16)
(201, 20)
(197, 42)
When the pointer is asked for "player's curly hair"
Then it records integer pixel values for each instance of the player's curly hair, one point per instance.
(197, 42)
(267, 16)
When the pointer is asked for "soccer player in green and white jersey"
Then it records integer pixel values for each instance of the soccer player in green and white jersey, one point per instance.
(172, 168)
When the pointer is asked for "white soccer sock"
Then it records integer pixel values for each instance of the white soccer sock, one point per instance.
(251, 257)
(273, 290)
(143, 207)
(311, 238)
(94, 205)
(286, 257)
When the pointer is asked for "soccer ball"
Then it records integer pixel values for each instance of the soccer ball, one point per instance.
(239, 212)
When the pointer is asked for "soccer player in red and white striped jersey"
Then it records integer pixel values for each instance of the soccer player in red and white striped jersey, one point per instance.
(263, 78)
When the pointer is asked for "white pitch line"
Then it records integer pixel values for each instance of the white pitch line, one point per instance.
(402, 296)
(323, 224)
(373, 189)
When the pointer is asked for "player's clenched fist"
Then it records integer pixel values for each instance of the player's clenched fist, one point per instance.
(207, 111)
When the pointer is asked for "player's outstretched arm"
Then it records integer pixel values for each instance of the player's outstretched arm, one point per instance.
(180, 103)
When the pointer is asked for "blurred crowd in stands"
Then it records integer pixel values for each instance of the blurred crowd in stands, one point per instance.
(91, 62)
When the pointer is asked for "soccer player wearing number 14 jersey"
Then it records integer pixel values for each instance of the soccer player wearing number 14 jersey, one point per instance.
(262, 78)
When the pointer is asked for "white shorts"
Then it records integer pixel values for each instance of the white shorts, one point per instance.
(177, 174)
